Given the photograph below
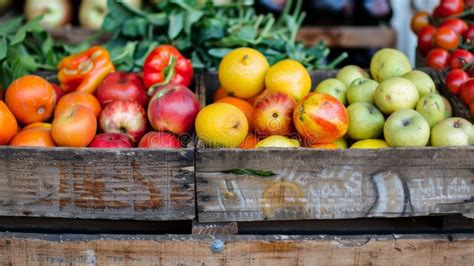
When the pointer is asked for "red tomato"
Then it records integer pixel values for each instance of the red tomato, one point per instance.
(458, 25)
(419, 20)
(425, 36)
(459, 58)
(455, 79)
(467, 92)
(437, 58)
(448, 8)
(446, 38)
(469, 33)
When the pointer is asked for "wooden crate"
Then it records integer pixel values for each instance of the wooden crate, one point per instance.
(136, 184)
(40, 249)
(292, 184)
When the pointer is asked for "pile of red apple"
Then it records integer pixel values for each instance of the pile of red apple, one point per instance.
(128, 114)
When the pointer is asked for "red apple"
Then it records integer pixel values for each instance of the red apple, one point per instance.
(59, 93)
(467, 91)
(111, 140)
(273, 114)
(173, 108)
(56, 13)
(159, 140)
(122, 86)
(126, 117)
(320, 118)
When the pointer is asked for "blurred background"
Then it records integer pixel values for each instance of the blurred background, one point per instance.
(359, 27)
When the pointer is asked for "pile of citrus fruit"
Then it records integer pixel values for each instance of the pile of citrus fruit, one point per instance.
(259, 105)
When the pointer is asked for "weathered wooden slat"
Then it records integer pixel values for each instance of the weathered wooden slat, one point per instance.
(333, 184)
(31, 249)
(134, 184)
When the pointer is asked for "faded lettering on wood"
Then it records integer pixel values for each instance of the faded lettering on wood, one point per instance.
(85, 183)
(312, 184)
(24, 249)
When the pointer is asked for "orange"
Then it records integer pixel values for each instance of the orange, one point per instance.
(249, 142)
(221, 125)
(31, 99)
(38, 125)
(288, 76)
(8, 124)
(76, 126)
(243, 105)
(78, 98)
(33, 137)
(220, 93)
(329, 146)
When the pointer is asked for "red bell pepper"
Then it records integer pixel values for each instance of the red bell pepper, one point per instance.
(164, 65)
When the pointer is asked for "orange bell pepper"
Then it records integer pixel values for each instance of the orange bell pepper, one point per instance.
(84, 71)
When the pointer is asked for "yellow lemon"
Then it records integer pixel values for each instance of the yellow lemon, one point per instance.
(370, 144)
(278, 141)
(288, 76)
(221, 125)
(242, 72)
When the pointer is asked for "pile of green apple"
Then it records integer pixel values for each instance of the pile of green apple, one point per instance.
(399, 104)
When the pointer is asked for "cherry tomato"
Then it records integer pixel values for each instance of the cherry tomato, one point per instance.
(419, 20)
(425, 36)
(469, 33)
(446, 38)
(448, 8)
(437, 58)
(455, 79)
(459, 58)
(458, 25)
(467, 92)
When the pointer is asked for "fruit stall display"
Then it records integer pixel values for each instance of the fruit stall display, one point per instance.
(285, 156)
(446, 40)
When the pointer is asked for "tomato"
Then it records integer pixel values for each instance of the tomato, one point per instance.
(455, 79)
(437, 58)
(458, 25)
(446, 38)
(467, 92)
(419, 20)
(448, 8)
(469, 33)
(459, 58)
(425, 36)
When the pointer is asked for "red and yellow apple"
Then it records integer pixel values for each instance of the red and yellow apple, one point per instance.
(273, 114)
(126, 117)
(111, 140)
(159, 140)
(122, 86)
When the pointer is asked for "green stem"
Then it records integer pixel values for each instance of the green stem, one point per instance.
(169, 73)
(338, 60)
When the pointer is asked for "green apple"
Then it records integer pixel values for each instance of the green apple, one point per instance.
(431, 107)
(406, 128)
(394, 94)
(388, 63)
(448, 109)
(365, 121)
(423, 82)
(333, 87)
(350, 73)
(361, 90)
(92, 12)
(454, 131)
(56, 13)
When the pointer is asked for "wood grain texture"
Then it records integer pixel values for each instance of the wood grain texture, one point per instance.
(29, 249)
(349, 37)
(97, 183)
(333, 184)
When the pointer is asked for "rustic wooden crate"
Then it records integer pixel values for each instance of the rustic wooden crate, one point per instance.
(40, 249)
(135, 184)
(332, 184)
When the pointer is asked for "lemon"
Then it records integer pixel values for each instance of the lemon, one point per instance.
(370, 144)
(242, 72)
(278, 141)
(288, 76)
(221, 125)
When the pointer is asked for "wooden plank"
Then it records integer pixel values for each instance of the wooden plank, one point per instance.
(322, 184)
(133, 184)
(334, 184)
(349, 36)
(31, 249)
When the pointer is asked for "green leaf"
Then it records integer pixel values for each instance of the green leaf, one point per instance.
(47, 45)
(253, 172)
(11, 25)
(212, 29)
(135, 27)
(31, 26)
(219, 52)
(176, 24)
(158, 19)
(3, 48)
(247, 33)
(193, 17)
